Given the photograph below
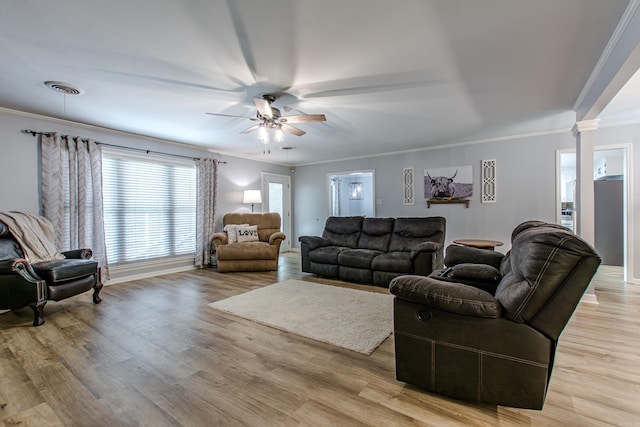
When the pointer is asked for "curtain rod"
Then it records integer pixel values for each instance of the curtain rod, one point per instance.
(34, 133)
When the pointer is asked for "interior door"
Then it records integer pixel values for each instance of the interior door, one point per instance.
(276, 192)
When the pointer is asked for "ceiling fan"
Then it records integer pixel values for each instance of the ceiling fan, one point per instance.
(270, 119)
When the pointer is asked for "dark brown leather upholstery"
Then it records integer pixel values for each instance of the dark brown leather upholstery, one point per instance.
(461, 341)
(374, 250)
(32, 284)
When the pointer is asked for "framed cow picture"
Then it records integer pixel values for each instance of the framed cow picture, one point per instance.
(448, 183)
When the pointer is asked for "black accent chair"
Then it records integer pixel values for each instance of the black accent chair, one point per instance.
(32, 284)
(458, 338)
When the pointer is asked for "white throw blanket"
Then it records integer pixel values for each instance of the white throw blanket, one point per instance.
(34, 234)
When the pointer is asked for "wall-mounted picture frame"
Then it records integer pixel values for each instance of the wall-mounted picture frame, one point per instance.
(448, 183)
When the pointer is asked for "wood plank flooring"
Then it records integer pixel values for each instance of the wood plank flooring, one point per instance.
(153, 354)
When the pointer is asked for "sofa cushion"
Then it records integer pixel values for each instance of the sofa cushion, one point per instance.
(376, 233)
(395, 262)
(326, 254)
(408, 232)
(358, 258)
(343, 231)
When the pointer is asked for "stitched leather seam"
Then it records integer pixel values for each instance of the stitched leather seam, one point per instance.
(475, 350)
(539, 277)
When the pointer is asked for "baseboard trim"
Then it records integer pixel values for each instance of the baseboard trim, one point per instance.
(146, 275)
(589, 299)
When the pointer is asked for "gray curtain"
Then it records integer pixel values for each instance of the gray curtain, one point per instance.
(72, 194)
(207, 172)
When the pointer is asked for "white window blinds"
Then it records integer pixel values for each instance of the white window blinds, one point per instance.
(149, 206)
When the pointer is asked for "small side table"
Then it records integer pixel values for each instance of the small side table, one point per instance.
(479, 243)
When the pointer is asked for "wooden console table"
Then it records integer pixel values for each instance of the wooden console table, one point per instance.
(447, 202)
(479, 243)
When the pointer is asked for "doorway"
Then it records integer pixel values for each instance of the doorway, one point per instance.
(611, 211)
(351, 193)
(276, 192)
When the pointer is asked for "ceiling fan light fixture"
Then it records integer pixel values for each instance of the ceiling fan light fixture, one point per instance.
(278, 134)
(263, 134)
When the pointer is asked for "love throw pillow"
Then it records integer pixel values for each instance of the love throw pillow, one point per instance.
(247, 234)
(231, 230)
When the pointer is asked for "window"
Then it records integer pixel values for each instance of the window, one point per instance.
(149, 206)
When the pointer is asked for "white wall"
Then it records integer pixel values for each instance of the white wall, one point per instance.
(19, 166)
(525, 178)
(526, 186)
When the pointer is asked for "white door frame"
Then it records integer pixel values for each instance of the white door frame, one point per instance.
(286, 200)
(627, 257)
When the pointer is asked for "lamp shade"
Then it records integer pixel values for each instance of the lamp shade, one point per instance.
(252, 196)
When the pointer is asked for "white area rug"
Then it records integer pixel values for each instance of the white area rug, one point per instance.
(349, 318)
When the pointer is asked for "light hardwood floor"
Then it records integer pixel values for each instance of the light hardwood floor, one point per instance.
(153, 354)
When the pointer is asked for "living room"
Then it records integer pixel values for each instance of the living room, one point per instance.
(526, 188)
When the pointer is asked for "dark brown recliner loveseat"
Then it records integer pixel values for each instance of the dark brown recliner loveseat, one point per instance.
(374, 250)
(26, 283)
(461, 341)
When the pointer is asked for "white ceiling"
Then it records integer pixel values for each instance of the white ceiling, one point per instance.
(423, 73)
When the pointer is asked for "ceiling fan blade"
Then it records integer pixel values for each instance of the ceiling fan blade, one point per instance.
(304, 118)
(292, 130)
(231, 115)
(263, 107)
(250, 129)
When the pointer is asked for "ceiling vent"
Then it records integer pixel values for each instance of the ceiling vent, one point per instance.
(62, 87)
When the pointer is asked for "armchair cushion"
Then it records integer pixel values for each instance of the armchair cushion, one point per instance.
(247, 233)
(9, 248)
(458, 254)
(63, 270)
(469, 271)
(232, 232)
(446, 296)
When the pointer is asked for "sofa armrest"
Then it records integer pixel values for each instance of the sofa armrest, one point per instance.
(78, 254)
(458, 254)
(425, 247)
(477, 272)
(446, 296)
(277, 238)
(220, 239)
(313, 241)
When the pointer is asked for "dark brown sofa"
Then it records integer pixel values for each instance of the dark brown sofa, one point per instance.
(374, 250)
(459, 340)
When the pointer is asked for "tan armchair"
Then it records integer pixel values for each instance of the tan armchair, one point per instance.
(259, 255)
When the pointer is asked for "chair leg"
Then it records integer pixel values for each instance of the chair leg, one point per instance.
(97, 287)
(38, 312)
